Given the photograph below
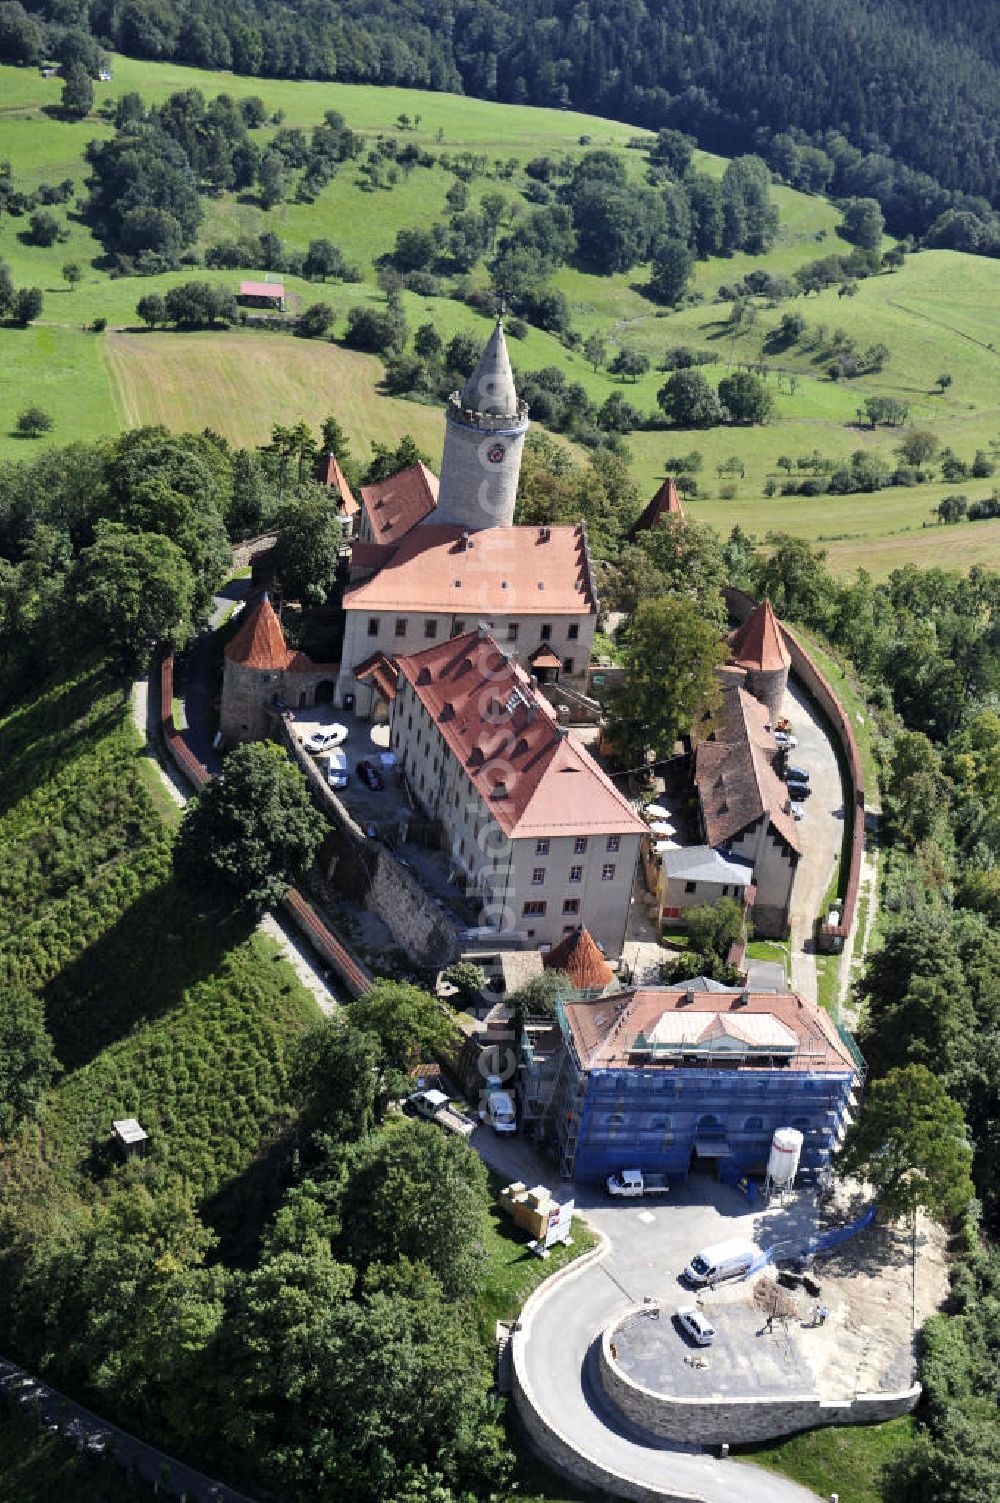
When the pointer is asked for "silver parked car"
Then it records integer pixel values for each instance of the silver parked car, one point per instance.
(696, 1325)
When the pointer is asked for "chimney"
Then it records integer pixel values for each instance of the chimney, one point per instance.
(544, 533)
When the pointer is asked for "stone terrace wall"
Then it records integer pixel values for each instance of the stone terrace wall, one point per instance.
(711, 1421)
(832, 937)
(244, 553)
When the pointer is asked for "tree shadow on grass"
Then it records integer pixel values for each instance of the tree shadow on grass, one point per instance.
(242, 1207)
(137, 970)
(36, 741)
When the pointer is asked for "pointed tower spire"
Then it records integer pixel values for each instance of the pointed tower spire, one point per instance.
(484, 437)
(490, 388)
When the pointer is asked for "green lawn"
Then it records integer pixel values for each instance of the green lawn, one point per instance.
(940, 313)
(514, 1270)
(846, 1461)
(767, 949)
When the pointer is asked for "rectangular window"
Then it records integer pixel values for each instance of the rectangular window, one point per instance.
(546, 631)
(608, 872)
(725, 892)
(541, 848)
(567, 665)
(576, 874)
(430, 629)
(574, 632)
(571, 905)
(538, 876)
(511, 631)
(580, 845)
(534, 908)
(400, 626)
(457, 628)
(690, 887)
(373, 626)
(614, 842)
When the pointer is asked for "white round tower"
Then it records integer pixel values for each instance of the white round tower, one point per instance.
(484, 437)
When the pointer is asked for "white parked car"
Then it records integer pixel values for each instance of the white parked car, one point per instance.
(697, 1325)
(326, 738)
(785, 741)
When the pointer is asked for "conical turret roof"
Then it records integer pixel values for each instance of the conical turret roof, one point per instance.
(490, 388)
(759, 642)
(579, 956)
(666, 503)
(260, 641)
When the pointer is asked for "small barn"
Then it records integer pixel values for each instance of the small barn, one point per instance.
(262, 295)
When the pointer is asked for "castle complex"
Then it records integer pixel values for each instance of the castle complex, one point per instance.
(454, 619)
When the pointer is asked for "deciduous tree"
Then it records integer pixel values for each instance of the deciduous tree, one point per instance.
(671, 652)
(252, 832)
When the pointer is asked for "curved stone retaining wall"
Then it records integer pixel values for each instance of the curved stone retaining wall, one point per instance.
(710, 1421)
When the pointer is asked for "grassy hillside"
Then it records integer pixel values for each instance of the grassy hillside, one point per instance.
(940, 313)
(156, 1010)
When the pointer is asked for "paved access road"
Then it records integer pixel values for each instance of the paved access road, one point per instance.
(821, 832)
(650, 1242)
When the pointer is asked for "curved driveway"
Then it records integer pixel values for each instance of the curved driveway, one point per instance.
(648, 1243)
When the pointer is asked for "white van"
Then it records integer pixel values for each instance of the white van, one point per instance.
(337, 773)
(724, 1260)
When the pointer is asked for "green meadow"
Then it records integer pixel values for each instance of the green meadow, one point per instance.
(939, 313)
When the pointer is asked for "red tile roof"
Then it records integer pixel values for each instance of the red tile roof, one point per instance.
(579, 956)
(334, 477)
(543, 783)
(367, 557)
(395, 506)
(759, 643)
(383, 672)
(666, 503)
(540, 571)
(260, 643)
(606, 1032)
(735, 777)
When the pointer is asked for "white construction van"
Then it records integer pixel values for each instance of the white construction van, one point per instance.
(724, 1260)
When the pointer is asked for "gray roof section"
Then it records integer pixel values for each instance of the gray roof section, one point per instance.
(703, 863)
(490, 388)
(699, 984)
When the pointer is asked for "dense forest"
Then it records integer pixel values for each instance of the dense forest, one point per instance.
(898, 100)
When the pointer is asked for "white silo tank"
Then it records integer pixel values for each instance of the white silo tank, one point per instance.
(786, 1149)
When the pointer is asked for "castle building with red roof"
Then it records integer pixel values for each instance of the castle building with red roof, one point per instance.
(432, 560)
(539, 833)
(745, 808)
